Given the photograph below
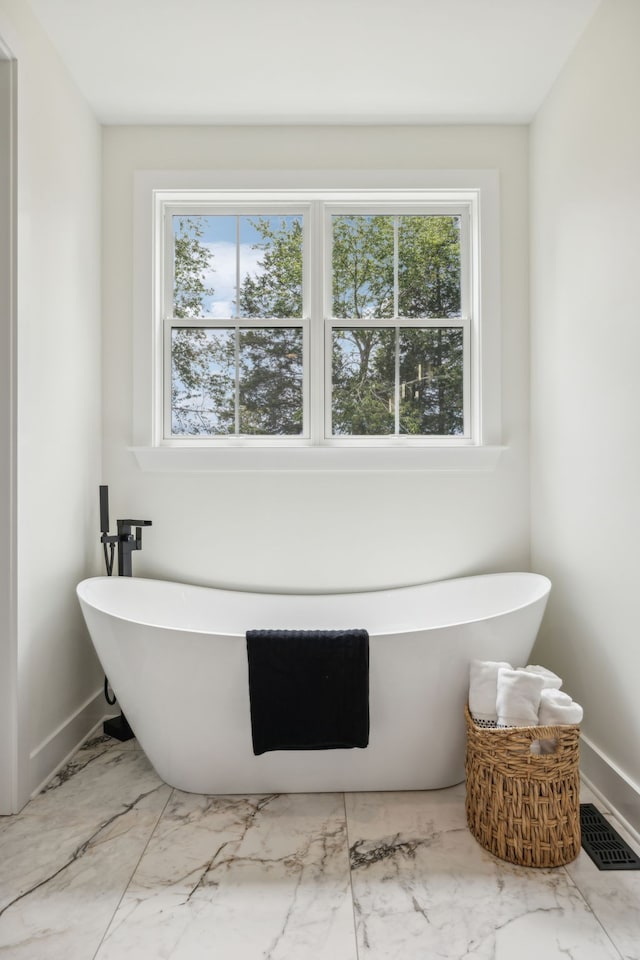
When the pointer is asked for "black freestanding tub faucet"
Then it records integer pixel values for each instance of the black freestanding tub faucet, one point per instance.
(126, 542)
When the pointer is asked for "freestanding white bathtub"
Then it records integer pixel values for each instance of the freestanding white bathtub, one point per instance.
(176, 657)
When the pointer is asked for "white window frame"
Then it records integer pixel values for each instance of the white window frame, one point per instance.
(475, 193)
(391, 204)
(226, 203)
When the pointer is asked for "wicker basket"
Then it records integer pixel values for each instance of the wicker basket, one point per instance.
(523, 807)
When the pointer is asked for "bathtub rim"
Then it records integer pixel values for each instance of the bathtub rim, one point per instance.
(543, 594)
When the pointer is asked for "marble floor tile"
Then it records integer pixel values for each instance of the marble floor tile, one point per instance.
(613, 895)
(94, 748)
(67, 858)
(424, 888)
(264, 877)
(109, 863)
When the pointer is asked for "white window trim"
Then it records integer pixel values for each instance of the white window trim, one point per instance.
(393, 453)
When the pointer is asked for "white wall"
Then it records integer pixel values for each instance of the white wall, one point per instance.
(58, 393)
(308, 531)
(585, 182)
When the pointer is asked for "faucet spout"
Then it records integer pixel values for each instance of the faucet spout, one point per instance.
(127, 543)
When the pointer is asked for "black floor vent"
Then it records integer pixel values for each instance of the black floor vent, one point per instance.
(606, 848)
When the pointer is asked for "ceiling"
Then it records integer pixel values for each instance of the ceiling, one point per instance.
(314, 61)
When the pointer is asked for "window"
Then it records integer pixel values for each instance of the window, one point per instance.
(399, 323)
(234, 334)
(350, 318)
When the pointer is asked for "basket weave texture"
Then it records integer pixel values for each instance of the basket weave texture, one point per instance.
(523, 807)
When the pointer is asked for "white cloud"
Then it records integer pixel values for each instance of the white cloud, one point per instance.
(221, 309)
(222, 276)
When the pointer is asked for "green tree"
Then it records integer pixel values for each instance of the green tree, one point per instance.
(431, 360)
(363, 287)
(380, 264)
(269, 360)
(431, 363)
(271, 380)
(276, 289)
(427, 252)
(429, 266)
(270, 375)
(202, 381)
(192, 260)
(201, 359)
(362, 265)
(363, 374)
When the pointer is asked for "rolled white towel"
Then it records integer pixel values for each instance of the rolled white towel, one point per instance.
(557, 708)
(518, 698)
(551, 680)
(483, 685)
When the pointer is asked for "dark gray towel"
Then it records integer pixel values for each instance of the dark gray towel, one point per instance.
(309, 689)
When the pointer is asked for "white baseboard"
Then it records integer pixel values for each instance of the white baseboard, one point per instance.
(52, 754)
(617, 792)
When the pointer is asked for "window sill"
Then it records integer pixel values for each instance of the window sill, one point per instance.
(296, 459)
